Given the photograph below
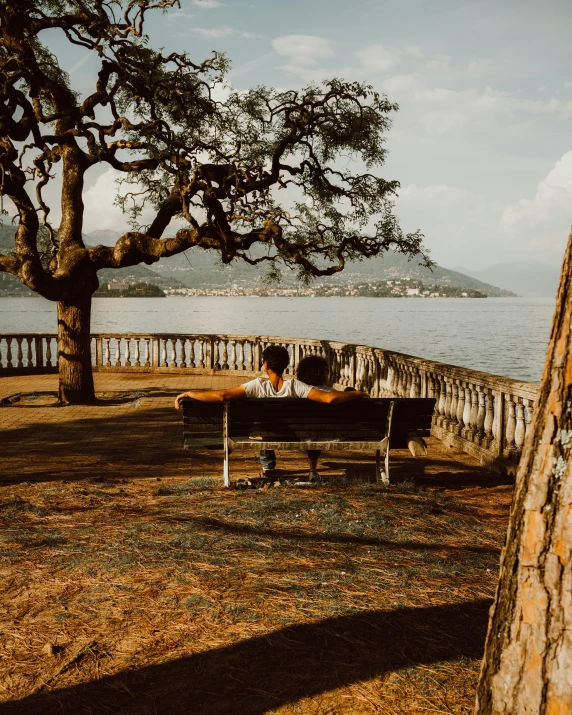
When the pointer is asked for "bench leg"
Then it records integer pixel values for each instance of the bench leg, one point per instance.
(381, 475)
(226, 466)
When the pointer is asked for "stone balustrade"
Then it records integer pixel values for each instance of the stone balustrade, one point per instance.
(484, 415)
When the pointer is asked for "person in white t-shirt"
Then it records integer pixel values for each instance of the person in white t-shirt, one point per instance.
(275, 360)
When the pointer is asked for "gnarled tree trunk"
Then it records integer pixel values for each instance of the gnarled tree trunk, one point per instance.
(527, 666)
(74, 351)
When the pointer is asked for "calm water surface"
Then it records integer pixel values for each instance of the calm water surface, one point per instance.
(505, 336)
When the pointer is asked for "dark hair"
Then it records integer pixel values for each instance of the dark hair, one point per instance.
(276, 358)
(313, 370)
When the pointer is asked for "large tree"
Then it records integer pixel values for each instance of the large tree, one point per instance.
(527, 666)
(211, 167)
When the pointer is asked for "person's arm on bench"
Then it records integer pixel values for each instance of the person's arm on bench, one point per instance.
(235, 393)
(332, 398)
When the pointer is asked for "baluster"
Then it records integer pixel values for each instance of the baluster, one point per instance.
(398, 380)
(489, 418)
(147, 352)
(232, 350)
(237, 355)
(406, 384)
(403, 379)
(466, 415)
(431, 385)
(29, 356)
(137, 347)
(481, 414)
(520, 429)
(342, 368)
(216, 354)
(106, 351)
(360, 372)
(163, 347)
(467, 427)
(473, 419)
(9, 352)
(337, 370)
(225, 344)
(243, 356)
(192, 352)
(449, 420)
(415, 384)
(440, 401)
(251, 355)
(20, 361)
(528, 409)
(390, 379)
(510, 424)
(369, 375)
(118, 357)
(457, 406)
(201, 353)
(183, 343)
(127, 352)
(48, 352)
(173, 362)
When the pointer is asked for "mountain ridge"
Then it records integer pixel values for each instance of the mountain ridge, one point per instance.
(197, 268)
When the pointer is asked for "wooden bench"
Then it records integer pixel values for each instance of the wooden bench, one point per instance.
(375, 424)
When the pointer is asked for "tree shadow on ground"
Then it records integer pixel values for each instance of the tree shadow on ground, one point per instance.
(322, 537)
(428, 472)
(259, 674)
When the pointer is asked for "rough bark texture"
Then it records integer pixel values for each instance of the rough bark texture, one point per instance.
(528, 656)
(74, 355)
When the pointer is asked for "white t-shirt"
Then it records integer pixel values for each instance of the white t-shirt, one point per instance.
(262, 387)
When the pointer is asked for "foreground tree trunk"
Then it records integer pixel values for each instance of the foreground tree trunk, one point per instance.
(74, 351)
(527, 666)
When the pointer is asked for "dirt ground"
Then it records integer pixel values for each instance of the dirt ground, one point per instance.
(132, 582)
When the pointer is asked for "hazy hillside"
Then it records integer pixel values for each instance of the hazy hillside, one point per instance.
(133, 274)
(534, 280)
(197, 268)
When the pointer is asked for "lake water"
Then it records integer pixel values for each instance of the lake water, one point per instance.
(505, 336)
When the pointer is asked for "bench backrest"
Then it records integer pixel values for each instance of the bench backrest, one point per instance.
(294, 420)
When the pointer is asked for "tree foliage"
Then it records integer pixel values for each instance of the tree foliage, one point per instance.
(212, 167)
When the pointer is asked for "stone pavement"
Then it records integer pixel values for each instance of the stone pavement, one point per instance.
(135, 433)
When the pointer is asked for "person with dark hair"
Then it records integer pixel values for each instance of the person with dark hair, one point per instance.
(275, 360)
(314, 370)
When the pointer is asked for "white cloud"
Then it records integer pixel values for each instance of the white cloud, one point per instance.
(100, 211)
(438, 63)
(414, 51)
(207, 3)
(377, 58)
(399, 82)
(538, 227)
(552, 203)
(303, 50)
(478, 65)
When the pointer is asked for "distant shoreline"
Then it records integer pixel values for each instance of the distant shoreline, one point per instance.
(287, 297)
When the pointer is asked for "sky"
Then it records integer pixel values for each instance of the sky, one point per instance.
(482, 142)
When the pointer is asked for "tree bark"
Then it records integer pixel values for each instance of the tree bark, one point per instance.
(527, 666)
(74, 351)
